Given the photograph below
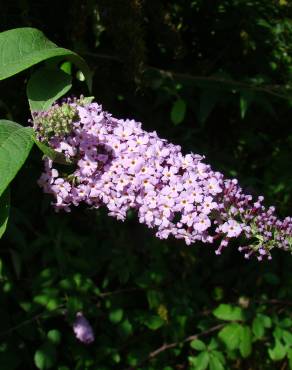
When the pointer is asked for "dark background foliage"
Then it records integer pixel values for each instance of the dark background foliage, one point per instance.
(214, 77)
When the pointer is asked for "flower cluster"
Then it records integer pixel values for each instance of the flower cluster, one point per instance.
(82, 329)
(123, 167)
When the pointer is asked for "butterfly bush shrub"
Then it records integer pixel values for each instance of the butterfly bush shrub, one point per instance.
(119, 165)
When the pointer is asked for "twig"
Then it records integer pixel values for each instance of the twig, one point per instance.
(187, 339)
(167, 346)
(274, 301)
(189, 77)
(25, 322)
(126, 290)
(232, 83)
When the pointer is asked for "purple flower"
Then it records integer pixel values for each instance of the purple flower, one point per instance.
(121, 166)
(231, 228)
(82, 329)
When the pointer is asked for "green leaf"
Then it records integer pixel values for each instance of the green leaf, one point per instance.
(202, 361)
(246, 98)
(45, 299)
(154, 298)
(74, 304)
(51, 153)
(126, 328)
(287, 337)
(178, 111)
(4, 210)
(116, 315)
(258, 328)
(266, 320)
(87, 99)
(245, 346)
(54, 336)
(208, 100)
(213, 344)
(228, 312)
(16, 262)
(154, 322)
(15, 144)
(198, 345)
(278, 352)
(259, 324)
(271, 278)
(21, 48)
(215, 363)
(230, 335)
(219, 355)
(66, 67)
(278, 333)
(289, 355)
(45, 356)
(286, 323)
(46, 86)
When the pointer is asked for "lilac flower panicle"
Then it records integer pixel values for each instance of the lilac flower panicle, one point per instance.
(123, 167)
(82, 329)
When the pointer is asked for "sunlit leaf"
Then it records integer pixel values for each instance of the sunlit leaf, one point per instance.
(15, 144)
(21, 48)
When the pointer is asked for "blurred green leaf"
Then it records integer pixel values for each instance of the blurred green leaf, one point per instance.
(287, 337)
(45, 356)
(246, 98)
(215, 363)
(245, 346)
(178, 111)
(54, 336)
(202, 361)
(198, 345)
(126, 328)
(230, 335)
(208, 100)
(258, 327)
(259, 324)
(154, 298)
(16, 262)
(228, 312)
(278, 352)
(116, 315)
(154, 322)
(289, 355)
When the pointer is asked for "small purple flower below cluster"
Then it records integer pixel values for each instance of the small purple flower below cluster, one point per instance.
(123, 167)
(82, 329)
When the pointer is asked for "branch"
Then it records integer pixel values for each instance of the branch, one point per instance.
(274, 301)
(219, 80)
(28, 321)
(120, 291)
(167, 346)
(187, 339)
(267, 89)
